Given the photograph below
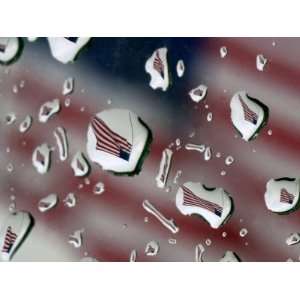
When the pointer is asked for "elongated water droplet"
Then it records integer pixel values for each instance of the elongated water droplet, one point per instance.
(133, 255)
(68, 86)
(209, 117)
(25, 124)
(223, 52)
(207, 154)
(199, 251)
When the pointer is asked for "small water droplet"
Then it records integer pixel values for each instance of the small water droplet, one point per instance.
(15, 89)
(146, 219)
(10, 167)
(22, 84)
(152, 248)
(172, 241)
(99, 188)
(12, 208)
(67, 102)
(207, 242)
(218, 154)
(223, 173)
(209, 117)
(224, 234)
(7, 150)
(270, 132)
(243, 232)
(10, 118)
(229, 160)
(109, 101)
(206, 106)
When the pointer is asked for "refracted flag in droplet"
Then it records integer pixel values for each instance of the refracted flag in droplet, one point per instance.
(109, 141)
(249, 114)
(286, 197)
(158, 64)
(190, 199)
(9, 240)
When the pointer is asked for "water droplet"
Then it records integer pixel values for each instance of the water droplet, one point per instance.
(7, 150)
(10, 167)
(261, 62)
(152, 248)
(192, 134)
(75, 239)
(177, 142)
(273, 43)
(200, 148)
(243, 232)
(22, 84)
(229, 160)
(177, 175)
(197, 94)
(82, 109)
(199, 251)
(207, 154)
(12, 198)
(133, 255)
(208, 242)
(206, 106)
(61, 138)
(172, 241)
(180, 68)
(25, 124)
(15, 89)
(270, 132)
(109, 101)
(223, 52)
(99, 188)
(224, 234)
(218, 154)
(67, 102)
(223, 173)
(70, 200)
(48, 109)
(10, 118)
(209, 117)
(48, 202)
(12, 208)
(68, 86)
(146, 220)
(41, 158)
(80, 165)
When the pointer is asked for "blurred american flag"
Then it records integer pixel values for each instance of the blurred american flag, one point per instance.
(114, 221)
